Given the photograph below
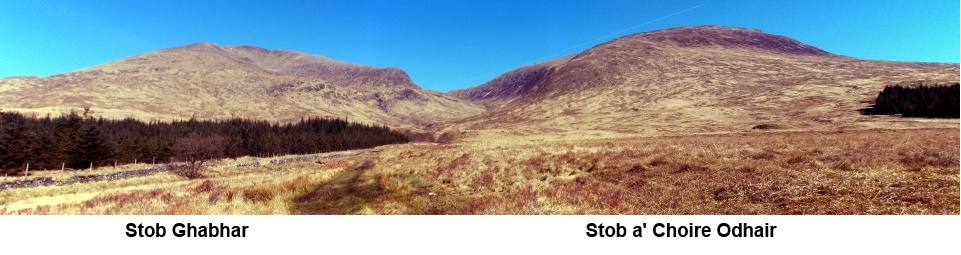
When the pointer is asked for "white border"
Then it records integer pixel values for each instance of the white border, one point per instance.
(478, 235)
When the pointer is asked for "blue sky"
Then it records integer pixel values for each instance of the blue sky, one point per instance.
(450, 44)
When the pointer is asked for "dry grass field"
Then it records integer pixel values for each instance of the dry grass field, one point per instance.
(907, 171)
(225, 189)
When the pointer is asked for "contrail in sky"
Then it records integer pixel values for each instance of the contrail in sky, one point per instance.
(626, 29)
(606, 36)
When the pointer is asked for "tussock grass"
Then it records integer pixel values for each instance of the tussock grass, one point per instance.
(792, 172)
(823, 172)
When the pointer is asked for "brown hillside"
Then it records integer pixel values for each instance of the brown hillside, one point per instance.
(211, 82)
(697, 80)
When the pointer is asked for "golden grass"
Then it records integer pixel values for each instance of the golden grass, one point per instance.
(225, 190)
(807, 172)
(838, 172)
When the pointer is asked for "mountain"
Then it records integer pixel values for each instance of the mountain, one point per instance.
(684, 80)
(207, 81)
(695, 80)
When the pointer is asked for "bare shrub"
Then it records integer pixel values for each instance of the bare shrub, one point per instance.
(196, 149)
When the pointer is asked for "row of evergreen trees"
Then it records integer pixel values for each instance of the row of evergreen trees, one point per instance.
(79, 140)
(935, 101)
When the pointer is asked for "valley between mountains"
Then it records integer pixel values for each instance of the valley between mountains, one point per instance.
(687, 120)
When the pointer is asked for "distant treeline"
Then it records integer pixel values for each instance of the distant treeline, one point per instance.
(79, 141)
(935, 101)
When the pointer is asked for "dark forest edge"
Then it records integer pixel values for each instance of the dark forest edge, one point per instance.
(79, 140)
(931, 101)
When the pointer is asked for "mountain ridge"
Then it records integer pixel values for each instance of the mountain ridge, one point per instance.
(670, 81)
(204, 80)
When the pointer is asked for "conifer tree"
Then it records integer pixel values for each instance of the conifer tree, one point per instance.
(89, 146)
(14, 141)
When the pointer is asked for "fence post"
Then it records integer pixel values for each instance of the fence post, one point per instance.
(62, 165)
(107, 173)
(26, 172)
(91, 168)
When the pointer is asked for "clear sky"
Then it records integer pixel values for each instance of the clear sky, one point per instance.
(448, 44)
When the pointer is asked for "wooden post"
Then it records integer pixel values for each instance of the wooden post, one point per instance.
(26, 172)
(62, 165)
(154, 161)
(105, 173)
(91, 168)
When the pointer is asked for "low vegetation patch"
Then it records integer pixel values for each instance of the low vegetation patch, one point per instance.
(767, 126)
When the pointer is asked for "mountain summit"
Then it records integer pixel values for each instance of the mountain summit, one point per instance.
(716, 36)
